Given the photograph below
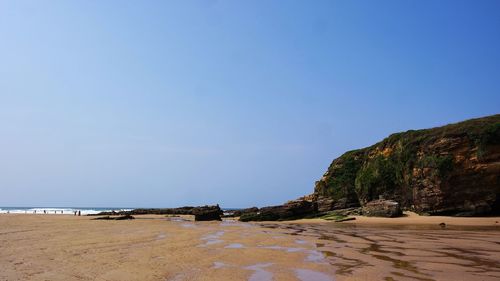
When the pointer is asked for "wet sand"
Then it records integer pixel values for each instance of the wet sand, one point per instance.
(43, 247)
(413, 219)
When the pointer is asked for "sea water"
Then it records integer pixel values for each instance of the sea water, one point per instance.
(59, 210)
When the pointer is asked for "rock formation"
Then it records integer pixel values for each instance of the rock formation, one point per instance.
(202, 213)
(239, 213)
(382, 208)
(291, 210)
(207, 213)
(124, 217)
(450, 170)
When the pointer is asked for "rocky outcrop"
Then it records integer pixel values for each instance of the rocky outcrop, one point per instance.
(239, 213)
(207, 213)
(382, 208)
(450, 170)
(297, 208)
(162, 211)
(188, 210)
(271, 213)
(324, 204)
(348, 212)
(119, 218)
(291, 210)
(203, 213)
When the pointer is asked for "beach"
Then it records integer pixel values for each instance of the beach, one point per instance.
(65, 247)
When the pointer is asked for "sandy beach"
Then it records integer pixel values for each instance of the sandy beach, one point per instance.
(412, 219)
(44, 247)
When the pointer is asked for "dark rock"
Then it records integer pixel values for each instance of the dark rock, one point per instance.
(200, 213)
(349, 212)
(104, 218)
(207, 213)
(239, 213)
(164, 211)
(345, 219)
(324, 204)
(382, 208)
(297, 208)
(345, 203)
(264, 214)
(112, 213)
(124, 217)
(151, 211)
(291, 210)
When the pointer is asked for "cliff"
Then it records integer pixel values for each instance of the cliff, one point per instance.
(449, 170)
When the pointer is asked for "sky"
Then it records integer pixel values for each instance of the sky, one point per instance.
(241, 103)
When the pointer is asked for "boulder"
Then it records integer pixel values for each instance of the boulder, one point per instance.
(382, 208)
(207, 213)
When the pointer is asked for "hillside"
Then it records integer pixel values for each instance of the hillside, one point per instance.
(449, 170)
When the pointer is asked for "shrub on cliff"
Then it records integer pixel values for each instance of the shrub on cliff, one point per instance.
(449, 168)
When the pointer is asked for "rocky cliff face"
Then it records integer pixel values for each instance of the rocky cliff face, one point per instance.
(451, 170)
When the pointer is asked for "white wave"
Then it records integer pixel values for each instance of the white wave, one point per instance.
(58, 211)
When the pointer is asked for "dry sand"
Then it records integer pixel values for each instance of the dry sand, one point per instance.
(50, 247)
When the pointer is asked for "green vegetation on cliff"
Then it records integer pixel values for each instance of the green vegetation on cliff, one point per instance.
(341, 182)
(406, 166)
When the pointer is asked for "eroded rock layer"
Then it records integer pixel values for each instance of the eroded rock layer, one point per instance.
(450, 170)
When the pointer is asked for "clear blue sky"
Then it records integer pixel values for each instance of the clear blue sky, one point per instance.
(242, 103)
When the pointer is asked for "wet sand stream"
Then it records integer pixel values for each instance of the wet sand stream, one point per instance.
(404, 252)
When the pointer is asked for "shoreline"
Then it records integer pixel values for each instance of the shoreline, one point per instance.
(174, 248)
(411, 218)
(408, 219)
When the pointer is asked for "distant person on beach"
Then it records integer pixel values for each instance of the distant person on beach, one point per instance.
(79, 213)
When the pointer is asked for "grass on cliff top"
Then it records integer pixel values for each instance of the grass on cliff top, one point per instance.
(482, 132)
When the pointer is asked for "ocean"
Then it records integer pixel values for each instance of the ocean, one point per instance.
(59, 210)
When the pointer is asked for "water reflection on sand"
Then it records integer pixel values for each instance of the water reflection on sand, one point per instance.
(404, 252)
(158, 248)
